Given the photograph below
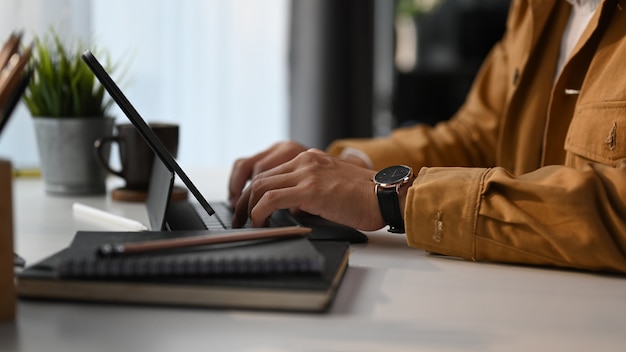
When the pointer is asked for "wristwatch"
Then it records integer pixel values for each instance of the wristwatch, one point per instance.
(388, 181)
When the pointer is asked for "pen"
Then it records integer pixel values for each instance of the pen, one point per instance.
(101, 216)
(113, 249)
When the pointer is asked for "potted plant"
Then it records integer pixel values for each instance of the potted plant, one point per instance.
(69, 109)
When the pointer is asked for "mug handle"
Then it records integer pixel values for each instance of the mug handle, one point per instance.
(98, 145)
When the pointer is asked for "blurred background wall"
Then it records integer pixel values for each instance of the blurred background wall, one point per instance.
(239, 75)
(218, 68)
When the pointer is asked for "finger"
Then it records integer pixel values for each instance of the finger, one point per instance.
(260, 185)
(272, 159)
(264, 183)
(247, 168)
(271, 201)
(240, 174)
(250, 195)
(292, 163)
(284, 187)
(240, 215)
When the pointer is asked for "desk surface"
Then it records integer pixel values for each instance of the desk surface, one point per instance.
(393, 298)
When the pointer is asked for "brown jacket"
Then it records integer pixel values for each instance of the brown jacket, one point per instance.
(528, 170)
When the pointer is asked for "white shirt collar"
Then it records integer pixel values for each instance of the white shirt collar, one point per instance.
(582, 11)
(585, 5)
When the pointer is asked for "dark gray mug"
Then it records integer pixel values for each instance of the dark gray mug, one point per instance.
(136, 157)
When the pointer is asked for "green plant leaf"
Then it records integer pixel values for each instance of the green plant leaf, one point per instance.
(62, 85)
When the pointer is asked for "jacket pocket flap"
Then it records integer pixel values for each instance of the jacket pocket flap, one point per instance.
(597, 132)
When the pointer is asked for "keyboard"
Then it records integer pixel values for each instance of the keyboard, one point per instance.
(322, 229)
(222, 219)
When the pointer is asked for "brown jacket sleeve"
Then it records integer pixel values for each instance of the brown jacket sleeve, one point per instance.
(555, 216)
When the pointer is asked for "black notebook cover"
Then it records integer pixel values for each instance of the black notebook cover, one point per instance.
(246, 258)
(277, 291)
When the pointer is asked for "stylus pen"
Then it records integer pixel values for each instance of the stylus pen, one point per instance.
(100, 216)
(113, 249)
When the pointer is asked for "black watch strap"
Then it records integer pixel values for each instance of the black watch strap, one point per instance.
(390, 208)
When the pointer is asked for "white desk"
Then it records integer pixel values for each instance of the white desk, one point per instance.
(393, 298)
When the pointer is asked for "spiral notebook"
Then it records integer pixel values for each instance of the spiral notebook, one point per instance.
(259, 257)
(285, 290)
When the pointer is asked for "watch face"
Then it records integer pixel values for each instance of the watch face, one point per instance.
(393, 175)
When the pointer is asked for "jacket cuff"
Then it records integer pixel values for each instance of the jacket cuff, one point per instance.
(442, 210)
(382, 152)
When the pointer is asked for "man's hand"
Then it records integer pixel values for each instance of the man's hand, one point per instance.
(314, 182)
(245, 169)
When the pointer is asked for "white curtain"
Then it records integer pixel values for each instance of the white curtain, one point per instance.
(218, 68)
